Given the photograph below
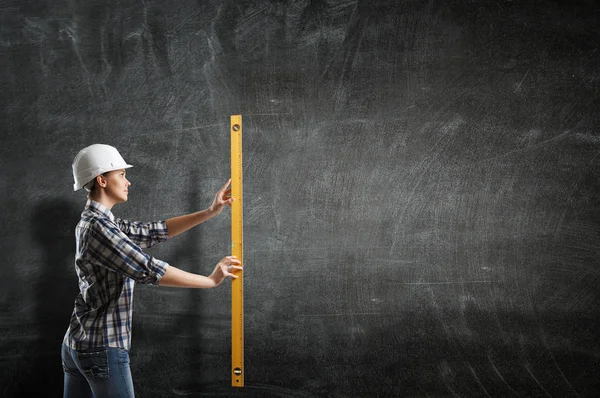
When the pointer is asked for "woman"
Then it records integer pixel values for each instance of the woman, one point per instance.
(109, 260)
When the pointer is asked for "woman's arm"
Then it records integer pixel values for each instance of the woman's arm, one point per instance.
(176, 277)
(177, 225)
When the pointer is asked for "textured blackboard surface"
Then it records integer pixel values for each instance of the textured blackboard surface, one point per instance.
(422, 202)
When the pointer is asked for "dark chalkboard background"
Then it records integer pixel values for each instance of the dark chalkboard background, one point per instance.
(422, 194)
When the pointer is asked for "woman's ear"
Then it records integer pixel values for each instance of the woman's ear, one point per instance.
(101, 181)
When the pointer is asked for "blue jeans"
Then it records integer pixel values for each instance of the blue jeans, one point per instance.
(100, 372)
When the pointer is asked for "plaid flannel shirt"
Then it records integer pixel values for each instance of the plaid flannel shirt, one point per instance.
(109, 260)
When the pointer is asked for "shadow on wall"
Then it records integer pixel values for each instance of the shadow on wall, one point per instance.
(53, 228)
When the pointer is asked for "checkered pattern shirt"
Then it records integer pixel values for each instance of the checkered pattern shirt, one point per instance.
(109, 260)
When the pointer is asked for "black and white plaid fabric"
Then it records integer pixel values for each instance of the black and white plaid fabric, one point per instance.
(109, 260)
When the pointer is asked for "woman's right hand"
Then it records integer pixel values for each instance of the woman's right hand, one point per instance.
(225, 268)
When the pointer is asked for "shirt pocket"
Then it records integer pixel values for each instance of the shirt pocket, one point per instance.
(94, 364)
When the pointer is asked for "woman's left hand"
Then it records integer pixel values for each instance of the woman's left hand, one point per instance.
(222, 198)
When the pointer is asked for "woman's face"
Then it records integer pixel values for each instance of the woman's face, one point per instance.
(117, 185)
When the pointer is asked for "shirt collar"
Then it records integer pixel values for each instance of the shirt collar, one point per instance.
(100, 208)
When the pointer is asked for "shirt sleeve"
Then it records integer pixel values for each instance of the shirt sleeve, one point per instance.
(107, 246)
(143, 234)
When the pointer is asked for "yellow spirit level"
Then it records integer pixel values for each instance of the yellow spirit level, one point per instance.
(237, 246)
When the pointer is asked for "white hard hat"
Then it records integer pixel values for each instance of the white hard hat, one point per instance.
(94, 160)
